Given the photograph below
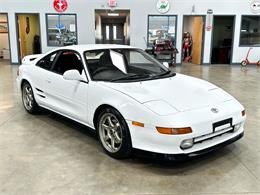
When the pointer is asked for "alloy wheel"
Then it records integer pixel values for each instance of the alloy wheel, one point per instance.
(28, 99)
(110, 132)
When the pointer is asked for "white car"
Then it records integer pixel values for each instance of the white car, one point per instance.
(131, 100)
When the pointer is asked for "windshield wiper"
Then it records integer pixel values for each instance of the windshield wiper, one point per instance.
(164, 74)
(132, 76)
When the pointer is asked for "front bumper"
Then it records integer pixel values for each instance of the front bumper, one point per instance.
(186, 156)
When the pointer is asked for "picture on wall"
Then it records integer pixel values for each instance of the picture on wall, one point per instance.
(3, 27)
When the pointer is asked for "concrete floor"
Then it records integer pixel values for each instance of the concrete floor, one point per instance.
(47, 154)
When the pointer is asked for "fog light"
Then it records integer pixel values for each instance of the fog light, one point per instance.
(188, 143)
(237, 126)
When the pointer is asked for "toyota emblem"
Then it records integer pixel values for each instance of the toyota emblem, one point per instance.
(214, 110)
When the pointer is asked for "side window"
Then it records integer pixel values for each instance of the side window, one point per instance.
(47, 62)
(68, 60)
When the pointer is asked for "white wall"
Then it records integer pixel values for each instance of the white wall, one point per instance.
(139, 10)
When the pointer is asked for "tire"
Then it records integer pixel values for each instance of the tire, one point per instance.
(113, 134)
(258, 63)
(28, 99)
(244, 63)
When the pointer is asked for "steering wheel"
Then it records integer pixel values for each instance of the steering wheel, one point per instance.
(101, 69)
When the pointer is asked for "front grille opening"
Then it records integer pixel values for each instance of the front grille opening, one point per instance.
(213, 135)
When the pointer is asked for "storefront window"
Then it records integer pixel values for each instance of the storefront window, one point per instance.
(250, 31)
(161, 28)
(61, 29)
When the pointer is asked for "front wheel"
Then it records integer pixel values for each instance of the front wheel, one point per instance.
(29, 102)
(258, 63)
(244, 63)
(114, 134)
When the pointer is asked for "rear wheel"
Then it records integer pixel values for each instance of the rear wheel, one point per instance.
(244, 63)
(114, 134)
(258, 63)
(29, 102)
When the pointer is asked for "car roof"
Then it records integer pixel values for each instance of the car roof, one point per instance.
(88, 47)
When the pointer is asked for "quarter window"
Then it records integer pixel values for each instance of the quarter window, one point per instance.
(47, 62)
(250, 31)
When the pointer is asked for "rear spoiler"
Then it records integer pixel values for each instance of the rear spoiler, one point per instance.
(30, 59)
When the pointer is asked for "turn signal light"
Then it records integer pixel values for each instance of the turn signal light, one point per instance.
(243, 113)
(174, 131)
(135, 123)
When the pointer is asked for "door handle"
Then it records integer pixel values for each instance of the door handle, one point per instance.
(48, 80)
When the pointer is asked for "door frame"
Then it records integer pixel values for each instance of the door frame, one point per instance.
(233, 37)
(203, 35)
(9, 42)
(18, 34)
(126, 10)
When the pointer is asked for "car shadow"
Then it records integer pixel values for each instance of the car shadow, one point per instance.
(171, 166)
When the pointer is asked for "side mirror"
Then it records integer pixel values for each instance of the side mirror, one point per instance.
(72, 75)
(166, 64)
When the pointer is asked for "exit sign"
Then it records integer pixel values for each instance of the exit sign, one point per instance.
(112, 3)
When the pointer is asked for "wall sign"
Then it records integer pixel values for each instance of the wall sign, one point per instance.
(60, 5)
(209, 19)
(255, 6)
(163, 6)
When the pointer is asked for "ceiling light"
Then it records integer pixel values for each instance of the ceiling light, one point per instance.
(113, 14)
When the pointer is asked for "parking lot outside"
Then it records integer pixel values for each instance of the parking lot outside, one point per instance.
(47, 154)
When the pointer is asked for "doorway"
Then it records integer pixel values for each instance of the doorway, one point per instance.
(112, 27)
(28, 31)
(193, 39)
(4, 39)
(222, 41)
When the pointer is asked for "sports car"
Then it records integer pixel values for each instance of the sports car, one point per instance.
(131, 100)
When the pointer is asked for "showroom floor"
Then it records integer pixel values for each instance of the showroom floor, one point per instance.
(47, 154)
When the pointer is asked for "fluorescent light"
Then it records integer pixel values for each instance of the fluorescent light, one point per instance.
(113, 14)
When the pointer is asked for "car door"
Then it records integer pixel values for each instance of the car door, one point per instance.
(68, 97)
(39, 76)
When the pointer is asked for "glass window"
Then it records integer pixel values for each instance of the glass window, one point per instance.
(123, 65)
(46, 62)
(61, 29)
(161, 28)
(68, 60)
(250, 31)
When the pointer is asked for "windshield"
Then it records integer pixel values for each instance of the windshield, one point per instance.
(124, 65)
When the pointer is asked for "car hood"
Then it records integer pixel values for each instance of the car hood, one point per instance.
(181, 92)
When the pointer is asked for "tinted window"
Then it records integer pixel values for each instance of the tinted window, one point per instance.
(250, 31)
(47, 61)
(68, 60)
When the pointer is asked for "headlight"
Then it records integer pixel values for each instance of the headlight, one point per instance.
(160, 107)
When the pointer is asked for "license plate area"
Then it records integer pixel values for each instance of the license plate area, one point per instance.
(222, 125)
